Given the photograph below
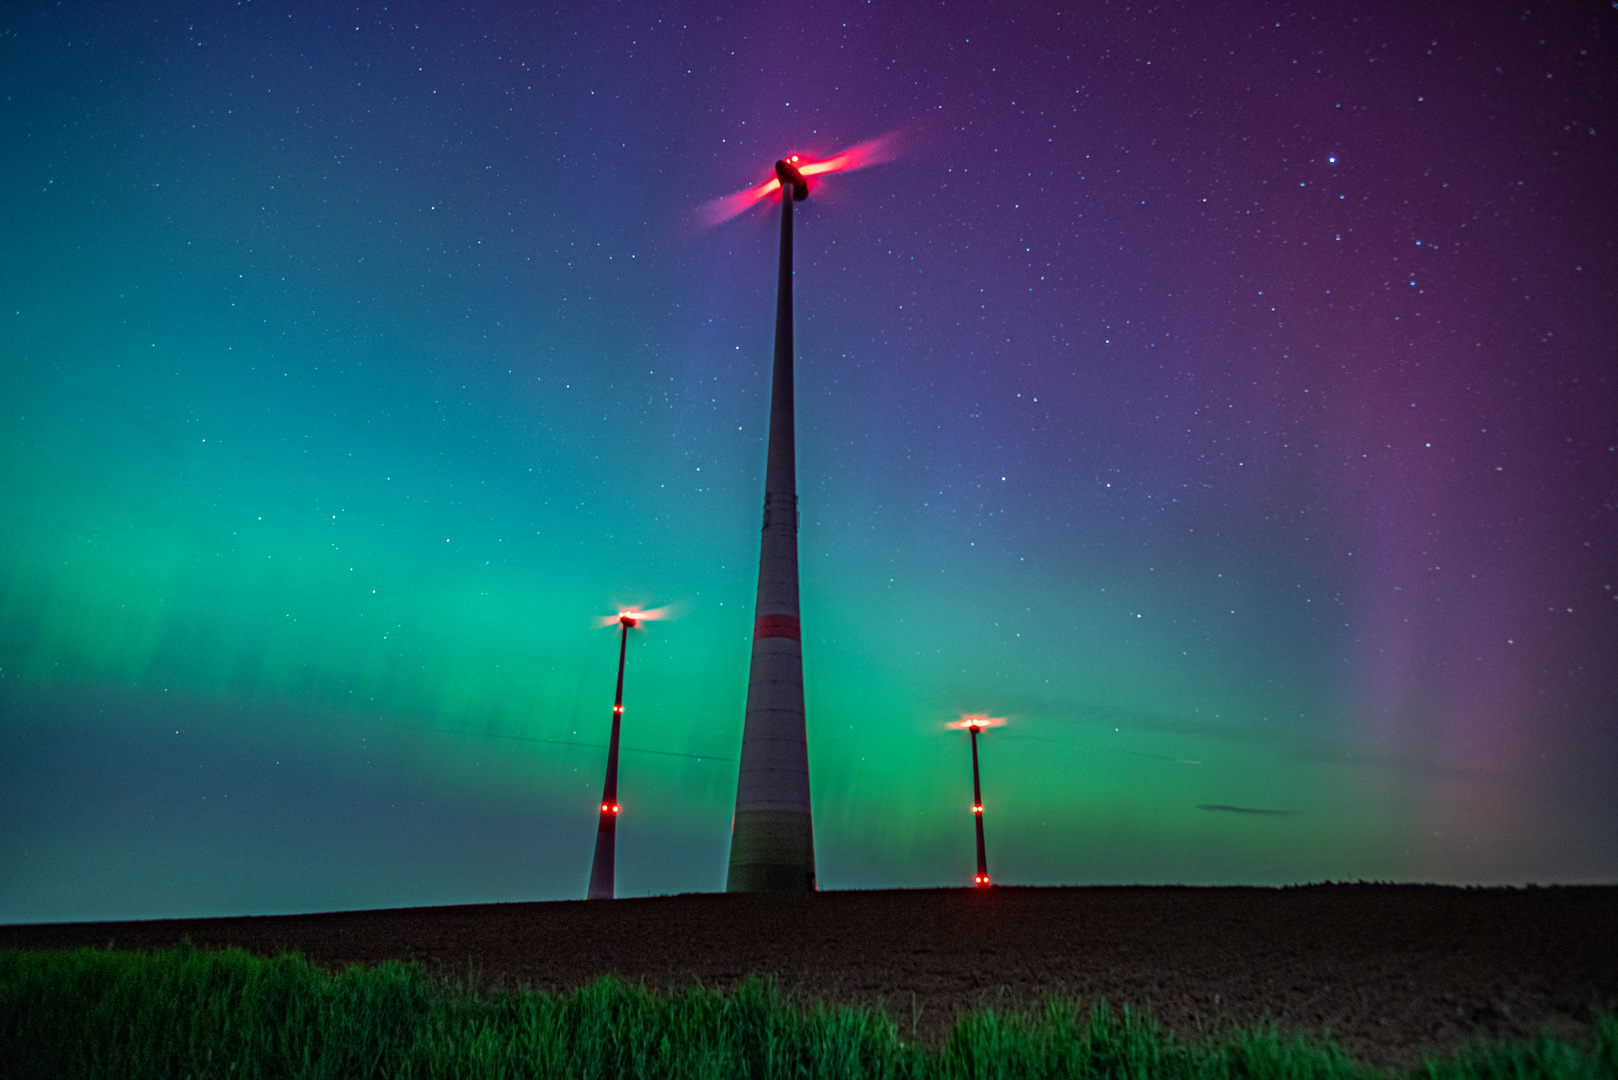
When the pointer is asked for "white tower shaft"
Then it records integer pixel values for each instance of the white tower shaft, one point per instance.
(772, 844)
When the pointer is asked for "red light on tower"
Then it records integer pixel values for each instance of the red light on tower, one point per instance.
(974, 724)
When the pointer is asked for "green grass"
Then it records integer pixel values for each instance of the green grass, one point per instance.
(189, 1013)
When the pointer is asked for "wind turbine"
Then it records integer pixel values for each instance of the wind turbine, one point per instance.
(601, 867)
(772, 843)
(974, 724)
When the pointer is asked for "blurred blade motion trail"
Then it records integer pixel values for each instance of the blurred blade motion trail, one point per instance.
(877, 151)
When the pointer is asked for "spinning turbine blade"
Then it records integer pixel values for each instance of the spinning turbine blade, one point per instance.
(877, 151)
(723, 209)
(635, 616)
(979, 722)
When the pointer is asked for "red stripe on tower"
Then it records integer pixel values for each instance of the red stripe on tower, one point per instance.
(782, 626)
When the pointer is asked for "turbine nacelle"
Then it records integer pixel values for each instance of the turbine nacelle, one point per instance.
(786, 171)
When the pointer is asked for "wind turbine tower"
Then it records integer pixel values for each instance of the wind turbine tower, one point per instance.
(604, 864)
(772, 838)
(975, 724)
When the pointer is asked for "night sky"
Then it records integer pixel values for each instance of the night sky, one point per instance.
(1223, 394)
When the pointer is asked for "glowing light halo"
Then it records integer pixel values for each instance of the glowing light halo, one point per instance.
(967, 722)
(875, 151)
(638, 616)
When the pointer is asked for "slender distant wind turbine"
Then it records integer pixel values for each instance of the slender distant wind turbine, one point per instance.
(601, 868)
(772, 842)
(974, 724)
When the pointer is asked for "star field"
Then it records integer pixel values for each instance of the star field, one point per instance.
(1222, 395)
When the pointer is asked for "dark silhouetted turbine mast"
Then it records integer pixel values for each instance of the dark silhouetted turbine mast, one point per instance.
(601, 868)
(975, 724)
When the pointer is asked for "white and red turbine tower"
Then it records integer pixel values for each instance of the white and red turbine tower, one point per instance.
(772, 841)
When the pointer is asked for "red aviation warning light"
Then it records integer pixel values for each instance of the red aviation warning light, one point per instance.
(975, 724)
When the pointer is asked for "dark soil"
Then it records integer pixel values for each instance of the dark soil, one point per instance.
(1390, 971)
